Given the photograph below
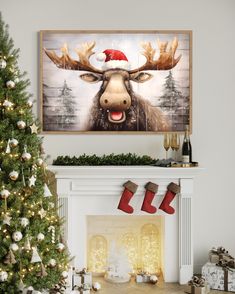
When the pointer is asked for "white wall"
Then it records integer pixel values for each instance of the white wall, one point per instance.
(213, 23)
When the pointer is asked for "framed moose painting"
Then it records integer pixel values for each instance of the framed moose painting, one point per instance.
(116, 81)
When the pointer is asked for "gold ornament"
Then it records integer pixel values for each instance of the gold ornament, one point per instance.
(13, 175)
(21, 124)
(34, 129)
(39, 161)
(5, 193)
(13, 142)
(10, 84)
(26, 156)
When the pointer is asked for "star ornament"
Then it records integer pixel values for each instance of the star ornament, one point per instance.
(7, 220)
(32, 181)
(42, 213)
(34, 129)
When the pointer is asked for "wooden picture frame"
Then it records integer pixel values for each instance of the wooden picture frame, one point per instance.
(99, 82)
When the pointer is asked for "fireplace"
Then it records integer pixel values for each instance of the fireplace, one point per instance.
(89, 197)
(136, 241)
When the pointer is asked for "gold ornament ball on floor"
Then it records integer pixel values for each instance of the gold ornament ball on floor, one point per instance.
(64, 274)
(10, 84)
(26, 156)
(5, 193)
(153, 279)
(13, 175)
(96, 286)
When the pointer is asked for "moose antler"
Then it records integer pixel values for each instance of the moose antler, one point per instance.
(66, 62)
(166, 59)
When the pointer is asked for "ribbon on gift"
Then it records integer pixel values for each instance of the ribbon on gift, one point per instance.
(82, 272)
(221, 252)
(142, 273)
(224, 264)
(197, 281)
(82, 287)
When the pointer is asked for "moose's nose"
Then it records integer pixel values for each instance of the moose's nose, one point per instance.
(115, 101)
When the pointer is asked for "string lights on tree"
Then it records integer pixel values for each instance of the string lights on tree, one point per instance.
(32, 257)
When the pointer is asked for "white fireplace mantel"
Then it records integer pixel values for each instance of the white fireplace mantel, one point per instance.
(96, 190)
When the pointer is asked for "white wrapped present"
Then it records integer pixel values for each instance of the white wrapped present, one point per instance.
(219, 278)
(81, 277)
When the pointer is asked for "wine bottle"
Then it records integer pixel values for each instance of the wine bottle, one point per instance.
(186, 147)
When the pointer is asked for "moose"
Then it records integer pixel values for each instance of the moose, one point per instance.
(116, 107)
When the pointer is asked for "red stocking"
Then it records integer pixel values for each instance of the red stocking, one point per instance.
(151, 190)
(129, 191)
(172, 190)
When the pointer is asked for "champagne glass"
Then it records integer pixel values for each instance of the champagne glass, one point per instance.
(166, 143)
(176, 144)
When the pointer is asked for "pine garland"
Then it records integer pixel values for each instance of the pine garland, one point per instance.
(111, 159)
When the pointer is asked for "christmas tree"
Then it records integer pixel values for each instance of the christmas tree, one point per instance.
(32, 254)
(171, 97)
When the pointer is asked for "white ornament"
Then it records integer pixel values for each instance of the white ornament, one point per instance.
(60, 247)
(3, 276)
(17, 80)
(52, 262)
(96, 286)
(40, 237)
(21, 286)
(13, 175)
(26, 156)
(32, 181)
(65, 274)
(42, 212)
(21, 124)
(3, 63)
(7, 103)
(10, 84)
(13, 142)
(7, 220)
(5, 193)
(35, 256)
(30, 103)
(30, 288)
(39, 161)
(153, 279)
(14, 247)
(17, 236)
(47, 192)
(24, 221)
(8, 149)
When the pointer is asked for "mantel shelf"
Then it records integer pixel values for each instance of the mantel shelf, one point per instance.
(66, 172)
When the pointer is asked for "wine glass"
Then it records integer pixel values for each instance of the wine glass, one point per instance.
(166, 143)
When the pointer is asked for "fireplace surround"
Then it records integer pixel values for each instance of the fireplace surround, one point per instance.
(95, 191)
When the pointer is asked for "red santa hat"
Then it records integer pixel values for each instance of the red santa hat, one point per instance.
(113, 59)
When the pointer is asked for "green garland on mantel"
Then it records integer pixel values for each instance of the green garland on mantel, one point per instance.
(111, 159)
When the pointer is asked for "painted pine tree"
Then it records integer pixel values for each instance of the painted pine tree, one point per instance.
(32, 255)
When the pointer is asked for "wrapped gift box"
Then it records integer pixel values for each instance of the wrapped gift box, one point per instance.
(219, 278)
(142, 278)
(198, 290)
(81, 278)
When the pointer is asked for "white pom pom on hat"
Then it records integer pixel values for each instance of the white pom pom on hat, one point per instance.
(101, 56)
